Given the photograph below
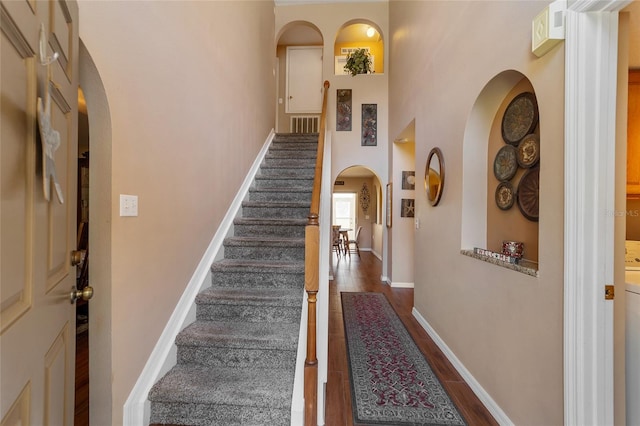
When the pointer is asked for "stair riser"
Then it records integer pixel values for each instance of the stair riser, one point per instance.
(249, 313)
(282, 171)
(290, 154)
(263, 252)
(284, 182)
(209, 415)
(287, 162)
(279, 196)
(294, 231)
(276, 212)
(236, 357)
(296, 137)
(300, 146)
(257, 279)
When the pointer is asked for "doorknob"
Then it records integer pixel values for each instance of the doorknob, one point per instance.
(290, 97)
(84, 294)
(77, 257)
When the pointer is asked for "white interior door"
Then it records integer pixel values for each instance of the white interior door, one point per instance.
(344, 210)
(37, 337)
(304, 80)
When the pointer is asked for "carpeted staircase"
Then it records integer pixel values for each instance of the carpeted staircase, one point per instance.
(236, 362)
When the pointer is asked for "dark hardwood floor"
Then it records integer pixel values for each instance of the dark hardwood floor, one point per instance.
(363, 274)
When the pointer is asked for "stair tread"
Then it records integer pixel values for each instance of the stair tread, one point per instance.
(226, 386)
(255, 296)
(290, 266)
(281, 204)
(264, 241)
(240, 334)
(281, 189)
(269, 221)
(237, 333)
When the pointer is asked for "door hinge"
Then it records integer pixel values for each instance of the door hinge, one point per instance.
(609, 292)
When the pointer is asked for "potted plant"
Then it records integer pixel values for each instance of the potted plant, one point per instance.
(358, 62)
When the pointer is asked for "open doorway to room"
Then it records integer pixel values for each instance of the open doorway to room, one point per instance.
(344, 209)
(357, 204)
(82, 275)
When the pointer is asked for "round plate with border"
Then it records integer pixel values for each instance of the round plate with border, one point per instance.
(529, 194)
(505, 195)
(529, 151)
(505, 164)
(520, 118)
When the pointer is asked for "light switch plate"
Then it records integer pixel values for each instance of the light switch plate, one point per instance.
(128, 205)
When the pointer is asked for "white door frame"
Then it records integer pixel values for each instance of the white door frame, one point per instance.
(591, 64)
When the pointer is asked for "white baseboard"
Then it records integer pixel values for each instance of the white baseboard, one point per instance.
(385, 279)
(396, 284)
(162, 358)
(495, 410)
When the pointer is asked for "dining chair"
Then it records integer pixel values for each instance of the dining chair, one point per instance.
(354, 243)
(337, 240)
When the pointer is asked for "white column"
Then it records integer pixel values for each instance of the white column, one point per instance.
(590, 114)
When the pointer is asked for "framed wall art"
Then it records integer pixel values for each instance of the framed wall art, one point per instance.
(408, 207)
(343, 110)
(408, 180)
(369, 124)
(389, 199)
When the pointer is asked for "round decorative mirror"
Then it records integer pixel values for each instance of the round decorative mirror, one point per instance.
(434, 176)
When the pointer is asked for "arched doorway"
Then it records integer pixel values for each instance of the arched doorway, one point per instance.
(357, 202)
(100, 218)
(298, 70)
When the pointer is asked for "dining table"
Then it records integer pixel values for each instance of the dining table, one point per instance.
(344, 232)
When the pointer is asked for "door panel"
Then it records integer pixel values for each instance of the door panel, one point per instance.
(304, 79)
(58, 235)
(17, 171)
(37, 336)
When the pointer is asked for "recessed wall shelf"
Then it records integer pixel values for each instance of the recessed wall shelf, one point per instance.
(524, 266)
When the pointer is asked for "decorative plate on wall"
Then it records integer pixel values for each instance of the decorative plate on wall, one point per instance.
(528, 194)
(505, 195)
(529, 151)
(505, 164)
(520, 118)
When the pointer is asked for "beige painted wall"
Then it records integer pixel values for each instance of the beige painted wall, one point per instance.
(504, 326)
(403, 228)
(188, 116)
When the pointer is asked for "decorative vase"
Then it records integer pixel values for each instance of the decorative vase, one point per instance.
(513, 248)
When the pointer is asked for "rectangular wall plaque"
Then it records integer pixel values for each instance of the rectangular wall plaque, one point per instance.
(369, 124)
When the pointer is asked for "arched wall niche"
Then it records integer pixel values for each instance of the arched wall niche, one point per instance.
(295, 34)
(299, 33)
(359, 33)
(484, 224)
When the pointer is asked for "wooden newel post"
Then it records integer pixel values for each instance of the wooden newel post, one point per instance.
(311, 284)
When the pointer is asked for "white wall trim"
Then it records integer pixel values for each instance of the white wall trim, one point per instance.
(385, 279)
(589, 187)
(396, 284)
(163, 356)
(495, 410)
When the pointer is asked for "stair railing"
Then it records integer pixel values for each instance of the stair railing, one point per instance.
(311, 277)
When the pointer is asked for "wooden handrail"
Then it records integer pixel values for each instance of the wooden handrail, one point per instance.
(311, 277)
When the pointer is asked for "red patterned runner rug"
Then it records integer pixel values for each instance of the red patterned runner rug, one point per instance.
(391, 381)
